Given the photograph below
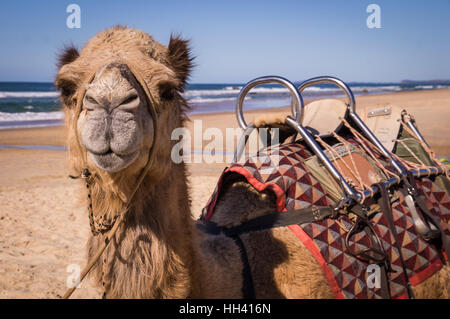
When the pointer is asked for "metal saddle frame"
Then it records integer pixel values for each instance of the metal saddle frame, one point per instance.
(295, 121)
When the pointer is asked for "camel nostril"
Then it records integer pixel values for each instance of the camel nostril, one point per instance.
(90, 100)
(129, 99)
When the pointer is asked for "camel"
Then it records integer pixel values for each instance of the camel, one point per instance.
(158, 252)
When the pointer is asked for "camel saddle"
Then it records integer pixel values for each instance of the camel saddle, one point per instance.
(299, 188)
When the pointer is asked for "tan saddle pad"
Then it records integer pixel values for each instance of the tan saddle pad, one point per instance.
(323, 116)
(384, 122)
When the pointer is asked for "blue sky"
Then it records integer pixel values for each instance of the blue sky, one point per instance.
(235, 41)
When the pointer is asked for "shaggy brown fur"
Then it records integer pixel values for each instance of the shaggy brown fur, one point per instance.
(150, 257)
(157, 252)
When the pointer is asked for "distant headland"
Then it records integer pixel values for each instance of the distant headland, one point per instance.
(426, 82)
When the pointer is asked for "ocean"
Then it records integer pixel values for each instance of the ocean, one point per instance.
(31, 104)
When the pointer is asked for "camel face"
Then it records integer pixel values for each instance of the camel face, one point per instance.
(109, 119)
(115, 126)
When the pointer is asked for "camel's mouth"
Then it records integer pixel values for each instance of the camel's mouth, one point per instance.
(113, 162)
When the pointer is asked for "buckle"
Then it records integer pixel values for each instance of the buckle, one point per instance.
(316, 213)
(342, 204)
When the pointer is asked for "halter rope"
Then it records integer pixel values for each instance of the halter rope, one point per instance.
(121, 217)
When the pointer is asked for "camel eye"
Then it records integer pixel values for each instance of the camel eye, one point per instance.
(67, 89)
(166, 90)
(167, 95)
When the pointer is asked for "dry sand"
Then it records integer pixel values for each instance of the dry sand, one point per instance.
(44, 226)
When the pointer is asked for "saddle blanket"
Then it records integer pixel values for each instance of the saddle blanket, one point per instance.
(296, 188)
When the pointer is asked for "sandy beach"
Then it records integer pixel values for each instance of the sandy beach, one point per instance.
(44, 226)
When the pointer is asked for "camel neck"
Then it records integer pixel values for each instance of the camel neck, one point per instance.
(151, 254)
(161, 222)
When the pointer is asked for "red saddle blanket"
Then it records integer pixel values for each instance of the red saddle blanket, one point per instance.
(296, 188)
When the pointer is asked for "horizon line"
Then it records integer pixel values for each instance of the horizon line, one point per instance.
(231, 83)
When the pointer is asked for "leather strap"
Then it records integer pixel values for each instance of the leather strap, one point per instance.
(272, 220)
(248, 290)
(386, 209)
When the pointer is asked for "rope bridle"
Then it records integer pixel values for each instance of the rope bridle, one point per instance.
(118, 219)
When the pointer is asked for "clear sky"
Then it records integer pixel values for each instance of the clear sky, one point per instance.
(235, 41)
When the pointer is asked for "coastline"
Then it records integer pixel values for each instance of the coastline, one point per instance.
(432, 122)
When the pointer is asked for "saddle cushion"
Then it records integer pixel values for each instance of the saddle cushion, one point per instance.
(295, 188)
(384, 122)
(323, 116)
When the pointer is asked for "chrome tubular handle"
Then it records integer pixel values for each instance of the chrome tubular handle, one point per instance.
(296, 106)
(406, 118)
(352, 113)
(332, 80)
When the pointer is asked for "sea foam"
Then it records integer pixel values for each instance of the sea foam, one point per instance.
(6, 94)
(30, 116)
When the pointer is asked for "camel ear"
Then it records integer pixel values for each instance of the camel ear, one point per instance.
(180, 59)
(66, 79)
(67, 55)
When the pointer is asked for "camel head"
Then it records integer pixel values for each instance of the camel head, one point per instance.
(108, 90)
